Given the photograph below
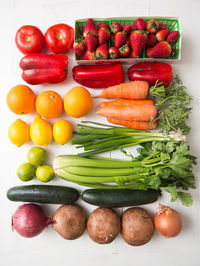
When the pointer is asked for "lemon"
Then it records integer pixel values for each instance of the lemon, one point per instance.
(62, 131)
(19, 132)
(41, 131)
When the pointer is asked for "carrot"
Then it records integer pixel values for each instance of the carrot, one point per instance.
(122, 102)
(136, 112)
(134, 90)
(134, 124)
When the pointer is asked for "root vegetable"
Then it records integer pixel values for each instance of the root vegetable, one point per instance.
(122, 102)
(146, 112)
(103, 225)
(30, 220)
(134, 90)
(167, 221)
(137, 226)
(145, 125)
(69, 221)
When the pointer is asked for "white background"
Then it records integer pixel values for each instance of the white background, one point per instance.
(49, 248)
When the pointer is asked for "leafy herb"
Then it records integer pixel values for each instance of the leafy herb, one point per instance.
(174, 107)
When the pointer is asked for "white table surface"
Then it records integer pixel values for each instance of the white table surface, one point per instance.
(49, 248)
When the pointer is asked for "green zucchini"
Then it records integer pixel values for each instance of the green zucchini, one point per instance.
(43, 194)
(115, 198)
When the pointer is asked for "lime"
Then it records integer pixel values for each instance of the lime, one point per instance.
(44, 173)
(36, 156)
(26, 172)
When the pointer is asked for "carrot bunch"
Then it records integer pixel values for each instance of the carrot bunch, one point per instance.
(132, 109)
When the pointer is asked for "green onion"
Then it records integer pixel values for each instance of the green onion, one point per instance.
(100, 138)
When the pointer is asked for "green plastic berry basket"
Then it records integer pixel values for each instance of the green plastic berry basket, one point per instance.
(171, 23)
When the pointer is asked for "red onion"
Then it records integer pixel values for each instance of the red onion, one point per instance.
(30, 220)
(167, 221)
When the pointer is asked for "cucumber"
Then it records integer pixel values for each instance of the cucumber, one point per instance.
(115, 198)
(43, 194)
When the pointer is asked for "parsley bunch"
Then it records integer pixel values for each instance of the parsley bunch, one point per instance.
(168, 167)
(174, 107)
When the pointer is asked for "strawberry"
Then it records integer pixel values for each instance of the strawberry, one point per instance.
(124, 50)
(103, 25)
(103, 35)
(88, 56)
(162, 27)
(120, 39)
(138, 40)
(133, 28)
(161, 35)
(79, 47)
(152, 26)
(112, 40)
(152, 40)
(140, 24)
(173, 36)
(115, 27)
(160, 50)
(90, 28)
(102, 52)
(113, 52)
(132, 54)
(128, 43)
(126, 29)
(174, 51)
(91, 42)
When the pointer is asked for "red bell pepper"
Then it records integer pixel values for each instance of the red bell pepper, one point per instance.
(44, 68)
(151, 72)
(98, 76)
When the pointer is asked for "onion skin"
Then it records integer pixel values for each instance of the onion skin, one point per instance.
(168, 222)
(29, 220)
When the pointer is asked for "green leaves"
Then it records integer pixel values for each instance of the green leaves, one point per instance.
(169, 167)
(174, 107)
(172, 191)
(185, 198)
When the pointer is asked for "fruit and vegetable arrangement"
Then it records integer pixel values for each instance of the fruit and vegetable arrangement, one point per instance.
(150, 111)
(137, 38)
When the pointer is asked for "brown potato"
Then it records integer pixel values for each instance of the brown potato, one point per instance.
(103, 225)
(69, 221)
(137, 226)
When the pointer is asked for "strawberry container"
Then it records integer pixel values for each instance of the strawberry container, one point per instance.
(171, 23)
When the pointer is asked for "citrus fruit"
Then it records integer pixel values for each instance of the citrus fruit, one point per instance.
(44, 173)
(19, 132)
(26, 172)
(62, 131)
(21, 100)
(49, 104)
(36, 156)
(41, 131)
(77, 102)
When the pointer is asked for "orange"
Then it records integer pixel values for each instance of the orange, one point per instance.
(49, 104)
(21, 100)
(77, 102)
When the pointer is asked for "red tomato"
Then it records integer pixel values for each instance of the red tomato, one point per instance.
(29, 39)
(59, 38)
